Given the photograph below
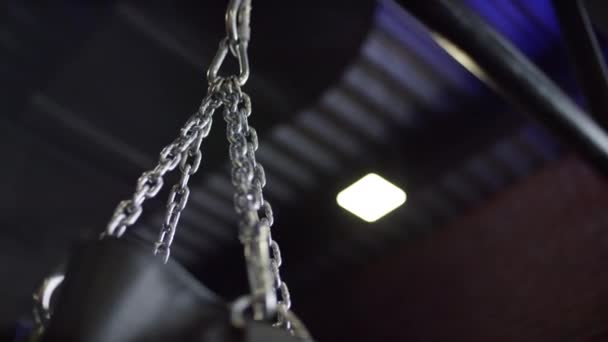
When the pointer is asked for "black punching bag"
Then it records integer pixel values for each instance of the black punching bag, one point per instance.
(117, 291)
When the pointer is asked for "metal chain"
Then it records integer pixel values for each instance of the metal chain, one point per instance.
(187, 144)
(248, 179)
(178, 197)
(269, 294)
(255, 213)
(262, 253)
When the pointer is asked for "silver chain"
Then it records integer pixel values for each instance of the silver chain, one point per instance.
(183, 151)
(269, 294)
(255, 213)
(190, 161)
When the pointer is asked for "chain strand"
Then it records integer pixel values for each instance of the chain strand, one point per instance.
(150, 183)
(189, 164)
(248, 177)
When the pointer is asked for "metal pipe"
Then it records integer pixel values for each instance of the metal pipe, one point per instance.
(586, 55)
(483, 51)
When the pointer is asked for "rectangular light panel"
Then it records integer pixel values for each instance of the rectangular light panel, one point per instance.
(371, 197)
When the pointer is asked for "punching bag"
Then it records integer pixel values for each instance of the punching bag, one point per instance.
(115, 290)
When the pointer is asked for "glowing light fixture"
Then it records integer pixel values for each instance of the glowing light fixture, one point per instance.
(371, 197)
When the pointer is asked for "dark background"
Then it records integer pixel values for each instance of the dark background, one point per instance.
(503, 236)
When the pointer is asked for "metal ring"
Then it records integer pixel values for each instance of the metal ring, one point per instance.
(298, 329)
(237, 311)
(237, 317)
(42, 298)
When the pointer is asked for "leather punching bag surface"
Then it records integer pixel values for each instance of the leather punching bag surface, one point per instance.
(117, 291)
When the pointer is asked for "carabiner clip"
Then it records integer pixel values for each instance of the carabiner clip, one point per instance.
(237, 22)
(220, 55)
(237, 40)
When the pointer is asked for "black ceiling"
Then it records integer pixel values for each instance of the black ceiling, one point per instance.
(93, 92)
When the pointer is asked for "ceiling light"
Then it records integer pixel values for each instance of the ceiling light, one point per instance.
(371, 197)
